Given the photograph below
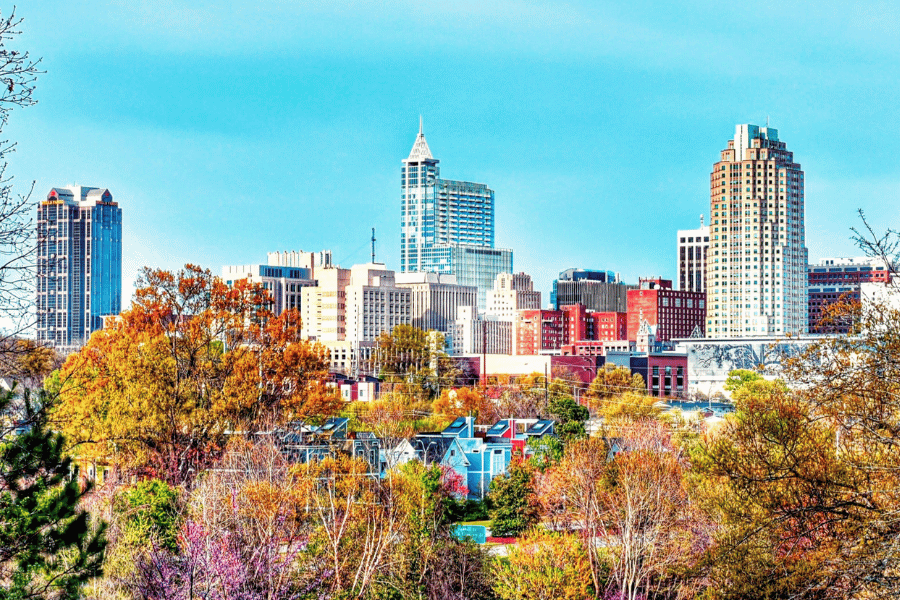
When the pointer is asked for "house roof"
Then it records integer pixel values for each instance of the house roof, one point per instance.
(542, 427)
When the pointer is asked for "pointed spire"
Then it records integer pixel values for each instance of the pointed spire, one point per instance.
(420, 150)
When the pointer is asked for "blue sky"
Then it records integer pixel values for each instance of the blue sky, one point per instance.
(229, 129)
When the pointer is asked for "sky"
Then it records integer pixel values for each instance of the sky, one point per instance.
(226, 130)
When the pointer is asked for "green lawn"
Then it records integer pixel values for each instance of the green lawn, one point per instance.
(484, 523)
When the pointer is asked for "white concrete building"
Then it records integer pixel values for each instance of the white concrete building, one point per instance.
(693, 245)
(512, 293)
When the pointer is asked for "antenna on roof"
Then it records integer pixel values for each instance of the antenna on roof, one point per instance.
(373, 243)
(767, 121)
(420, 124)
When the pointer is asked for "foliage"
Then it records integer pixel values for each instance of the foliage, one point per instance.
(48, 546)
(512, 500)
(192, 359)
(570, 417)
(546, 451)
(463, 402)
(740, 377)
(149, 512)
(612, 381)
(633, 505)
(413, 362)
(545, 566)
(628, 407)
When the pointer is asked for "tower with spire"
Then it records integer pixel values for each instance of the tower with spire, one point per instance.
(447, 226)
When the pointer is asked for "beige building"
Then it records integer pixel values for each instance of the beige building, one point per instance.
(756, 278)
(512, 292)
(476, 335)
(435, 300)
(323, 307)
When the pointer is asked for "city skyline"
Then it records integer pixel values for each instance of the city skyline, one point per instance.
(299, 149)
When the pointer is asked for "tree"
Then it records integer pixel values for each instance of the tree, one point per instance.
(640, 526)
(192, 360)
(18, 73)
(463, 402)
(612, 381)
(545, 566)
(48, 546)
(512, 500)
(627, 407)
(570, 417)
(740, 377)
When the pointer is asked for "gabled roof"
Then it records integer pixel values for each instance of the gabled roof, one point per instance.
(433, 449)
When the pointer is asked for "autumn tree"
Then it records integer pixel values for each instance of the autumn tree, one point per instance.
(632, 507)
(545, 566)
(191, 360)
(611, 381)
(464, 402)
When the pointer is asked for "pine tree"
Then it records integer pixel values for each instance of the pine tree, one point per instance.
(48, 546)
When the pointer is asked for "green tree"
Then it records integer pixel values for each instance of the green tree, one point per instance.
(570, 417)
(545, 566)
(150, 514)
(740, 377)
(513, 509)
(48, 546)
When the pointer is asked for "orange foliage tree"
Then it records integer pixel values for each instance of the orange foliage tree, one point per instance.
(191, 361)
(462, 402)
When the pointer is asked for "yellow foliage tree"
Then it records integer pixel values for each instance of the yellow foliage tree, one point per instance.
(192, 359)
(545, 566)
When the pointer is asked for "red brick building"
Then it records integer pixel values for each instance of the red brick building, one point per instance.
(835, 278)
(539, 330)
(675, 313)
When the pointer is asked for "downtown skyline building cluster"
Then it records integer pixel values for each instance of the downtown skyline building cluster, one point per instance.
(745, 275)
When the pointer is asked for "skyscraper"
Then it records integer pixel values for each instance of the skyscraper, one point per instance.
(446, 226)
(756, 279)
(693, 245)
(79, 264)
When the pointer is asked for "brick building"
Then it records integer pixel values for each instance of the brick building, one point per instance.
(835, 278)
(675, 313)
(538, 331)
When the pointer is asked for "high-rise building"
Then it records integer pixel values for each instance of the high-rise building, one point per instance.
(79, 264)
(446, 226)
(599, 291)
(693, 245)
(839, 279)
(756, 278)
(435, 299)
(285, 274)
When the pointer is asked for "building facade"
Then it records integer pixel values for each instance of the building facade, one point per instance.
(512, 293)
(599, 291)
(757, 263)
(481, 335)
(285, 283)
(673, 313)
(447, 226)
(839, 279)
(436, 299)
(79, 264)
(693, 245)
